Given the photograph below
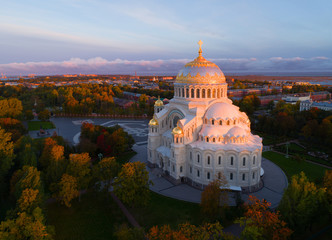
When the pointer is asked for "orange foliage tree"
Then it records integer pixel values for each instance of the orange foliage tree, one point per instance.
(261, 223)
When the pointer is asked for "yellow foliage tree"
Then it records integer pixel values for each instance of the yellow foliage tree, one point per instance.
(67, 189)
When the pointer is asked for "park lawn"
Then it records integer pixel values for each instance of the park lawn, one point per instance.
(292, 167)
(95, 217)
(164, 210)
(35, 125)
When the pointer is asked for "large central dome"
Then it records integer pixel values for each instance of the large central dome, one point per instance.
(200, 71)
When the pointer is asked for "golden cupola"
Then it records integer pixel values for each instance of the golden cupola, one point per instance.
(200, 71)
(159, 103)
(153, 122)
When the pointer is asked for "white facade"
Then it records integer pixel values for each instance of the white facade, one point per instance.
(200, 134)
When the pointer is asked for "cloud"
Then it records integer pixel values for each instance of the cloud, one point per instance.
(100, 65)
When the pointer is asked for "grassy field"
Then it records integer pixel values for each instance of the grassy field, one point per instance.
(164, 210)
(292, 167)
(35, 125)
(95, 217)
(294, 149)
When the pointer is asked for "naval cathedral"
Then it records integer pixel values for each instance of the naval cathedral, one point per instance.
(200, 135)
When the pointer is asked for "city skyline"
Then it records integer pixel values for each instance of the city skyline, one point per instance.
(154, 37)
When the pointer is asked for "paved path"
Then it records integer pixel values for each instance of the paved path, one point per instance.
(274, 179)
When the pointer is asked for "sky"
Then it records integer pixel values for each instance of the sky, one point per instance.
(159, 37)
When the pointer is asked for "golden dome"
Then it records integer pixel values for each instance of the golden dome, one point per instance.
(177, 130)
(200, 71)
(153, 122)
(159, 103)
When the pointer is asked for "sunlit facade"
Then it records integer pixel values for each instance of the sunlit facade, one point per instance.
(200, 134)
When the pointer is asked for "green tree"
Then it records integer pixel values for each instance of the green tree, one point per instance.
(300, 202)
(29, 115)
(44, 115)
(67, 189)
(105, 171)
(132, 184)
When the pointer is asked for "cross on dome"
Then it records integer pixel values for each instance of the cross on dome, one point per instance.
(200, 47)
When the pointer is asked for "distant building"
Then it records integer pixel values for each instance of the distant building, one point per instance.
(296, 98)
(308, 104)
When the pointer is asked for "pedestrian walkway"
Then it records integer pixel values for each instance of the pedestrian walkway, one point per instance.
(274, 180)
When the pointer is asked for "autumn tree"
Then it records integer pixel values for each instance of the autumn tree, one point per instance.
(105, 171)
(328, 186)
(79, 167)
(11, 107)
(6, 156)
(67, 189)
(27, 178)
(132, 184)
(47, 148)
(214, 196)
(26, 226)
(188, 232)
(300, 202)
(57, 166)
(260, 222)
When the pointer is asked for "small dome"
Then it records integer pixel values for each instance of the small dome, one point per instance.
(236, 132)
(159, 103)
(177, 130)
(200, 71)
(223, 110)
(153, 122)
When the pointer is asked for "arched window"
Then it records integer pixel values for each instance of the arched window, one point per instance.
(181, 169)
(205, 121)
(219, 160)
(228, 122)
(208, 160)
(231, 176)
(244, 161)
(254, 160)
(192, 93)
(209, 93)
(183, 92)
(203, 93)
(220, 122)
(214, 140)
(208, 175)
(232, 161)
(214, 93)
(243, 177)
(197, 173)
(218, 93)
(212, 122)
(187, 92)
(207, 139)
(198, 158)
(197, 93)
